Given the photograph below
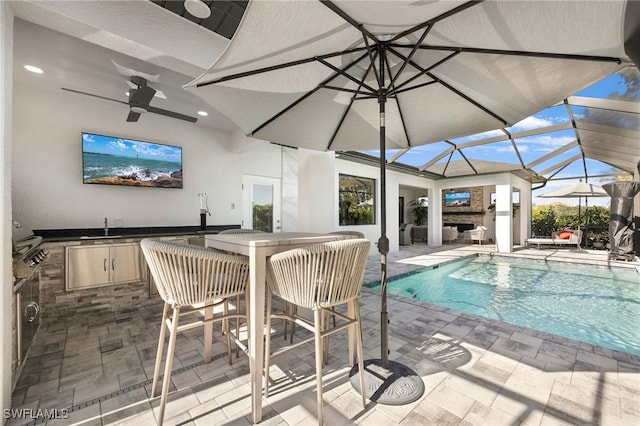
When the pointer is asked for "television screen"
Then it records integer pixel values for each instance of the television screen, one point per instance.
(457, 199)
(110, 160)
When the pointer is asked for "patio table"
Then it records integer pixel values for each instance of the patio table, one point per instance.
(258, 247)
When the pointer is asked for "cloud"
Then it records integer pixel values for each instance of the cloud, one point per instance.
(119, 145)
(531, 122)
(545, 143)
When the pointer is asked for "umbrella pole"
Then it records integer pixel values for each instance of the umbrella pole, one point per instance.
(383, 242)
(386, 382)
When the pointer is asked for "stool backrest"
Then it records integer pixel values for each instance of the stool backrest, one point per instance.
(188, 275)
(319, 275)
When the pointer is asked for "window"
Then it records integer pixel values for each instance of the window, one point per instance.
(356, 200)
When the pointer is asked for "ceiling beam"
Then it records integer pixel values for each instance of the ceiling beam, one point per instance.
(561, 164)
(552, 154)
(608, 104)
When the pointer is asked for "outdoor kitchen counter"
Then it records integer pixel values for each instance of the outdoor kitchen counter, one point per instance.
(91, 234)
(58, 301)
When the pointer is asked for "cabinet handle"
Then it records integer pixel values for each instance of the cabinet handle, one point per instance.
(104, 264)
(113, 263)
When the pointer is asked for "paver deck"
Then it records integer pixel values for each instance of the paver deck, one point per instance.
(476, 371)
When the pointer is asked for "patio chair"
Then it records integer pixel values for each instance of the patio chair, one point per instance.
(449, 233)
(405, 238)
(292, 308)
(479, 234)
(319, 277)
(192, 280)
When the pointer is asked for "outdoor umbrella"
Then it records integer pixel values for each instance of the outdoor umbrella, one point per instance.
(577, 190)
(354, 75)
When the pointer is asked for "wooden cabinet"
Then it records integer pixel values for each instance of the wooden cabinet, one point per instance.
(105, 264)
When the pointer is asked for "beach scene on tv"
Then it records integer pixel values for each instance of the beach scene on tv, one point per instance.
(457, 199)
(117, 161)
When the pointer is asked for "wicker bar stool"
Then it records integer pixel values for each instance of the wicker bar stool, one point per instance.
(192, 279)
(319, 277)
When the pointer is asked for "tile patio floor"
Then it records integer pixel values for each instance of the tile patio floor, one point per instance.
(476, 371)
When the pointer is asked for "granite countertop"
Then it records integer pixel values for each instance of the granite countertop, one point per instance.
(76, 234)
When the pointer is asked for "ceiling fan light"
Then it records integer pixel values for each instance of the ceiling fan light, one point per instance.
(197, 8)
(138, 109)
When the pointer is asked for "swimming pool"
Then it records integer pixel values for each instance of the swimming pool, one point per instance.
(590, 304)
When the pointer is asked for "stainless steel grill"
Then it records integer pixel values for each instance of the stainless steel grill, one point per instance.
(27, 256)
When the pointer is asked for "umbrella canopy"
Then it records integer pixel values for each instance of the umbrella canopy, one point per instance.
(577, 190)
(352, 75)
(451, 68)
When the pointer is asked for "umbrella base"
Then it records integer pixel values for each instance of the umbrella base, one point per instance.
(397, 385)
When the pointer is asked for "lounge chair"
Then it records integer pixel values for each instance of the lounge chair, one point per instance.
(559, 238)
(479, 234)
(449, 233)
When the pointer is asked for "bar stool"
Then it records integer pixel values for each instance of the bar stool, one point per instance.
(191, 279)
(319, 277)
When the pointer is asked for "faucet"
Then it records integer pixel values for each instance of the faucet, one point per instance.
(106, 226)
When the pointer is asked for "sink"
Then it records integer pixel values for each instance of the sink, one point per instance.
(99, 237)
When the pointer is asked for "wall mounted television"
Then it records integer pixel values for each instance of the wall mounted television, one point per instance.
(457, 199)
(110, 160)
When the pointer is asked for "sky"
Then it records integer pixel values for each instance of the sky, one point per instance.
(129, 148)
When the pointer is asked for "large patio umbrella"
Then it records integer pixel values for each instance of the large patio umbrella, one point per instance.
(356, 75)
(578, 190)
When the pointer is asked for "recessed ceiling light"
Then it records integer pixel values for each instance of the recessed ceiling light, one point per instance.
(197, 8)
(203, 113)
(33, 69)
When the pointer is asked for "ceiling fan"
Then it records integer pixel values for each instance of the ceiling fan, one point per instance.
(139, 99)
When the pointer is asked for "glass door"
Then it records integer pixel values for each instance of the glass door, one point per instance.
(261, 203)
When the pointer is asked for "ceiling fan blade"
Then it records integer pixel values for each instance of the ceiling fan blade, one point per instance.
(141, 96)
(133, 116)
(94, 95)
(172, 114)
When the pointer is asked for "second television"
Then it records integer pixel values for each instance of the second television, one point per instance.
(457, 199)
(111, 160)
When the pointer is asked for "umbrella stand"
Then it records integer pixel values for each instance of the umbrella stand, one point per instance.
(386, 382)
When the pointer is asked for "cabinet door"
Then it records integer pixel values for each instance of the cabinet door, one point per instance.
(87, 266)
(125, 263)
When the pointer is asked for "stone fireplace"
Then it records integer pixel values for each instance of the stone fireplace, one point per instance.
(465, 217)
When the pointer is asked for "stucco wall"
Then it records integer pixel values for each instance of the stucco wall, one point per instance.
(48, 192)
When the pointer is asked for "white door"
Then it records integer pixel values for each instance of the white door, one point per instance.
(261, 203)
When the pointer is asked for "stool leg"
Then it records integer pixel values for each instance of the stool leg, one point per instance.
(358, 326)
(166, 380)
(317, 322)
(225, 326)
(267, 344)
(208, 335)
(237, 325)
(163, 333)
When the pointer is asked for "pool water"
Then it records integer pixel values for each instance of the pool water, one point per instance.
(582, 302)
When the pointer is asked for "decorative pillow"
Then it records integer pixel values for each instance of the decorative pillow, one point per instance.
(565, 235)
